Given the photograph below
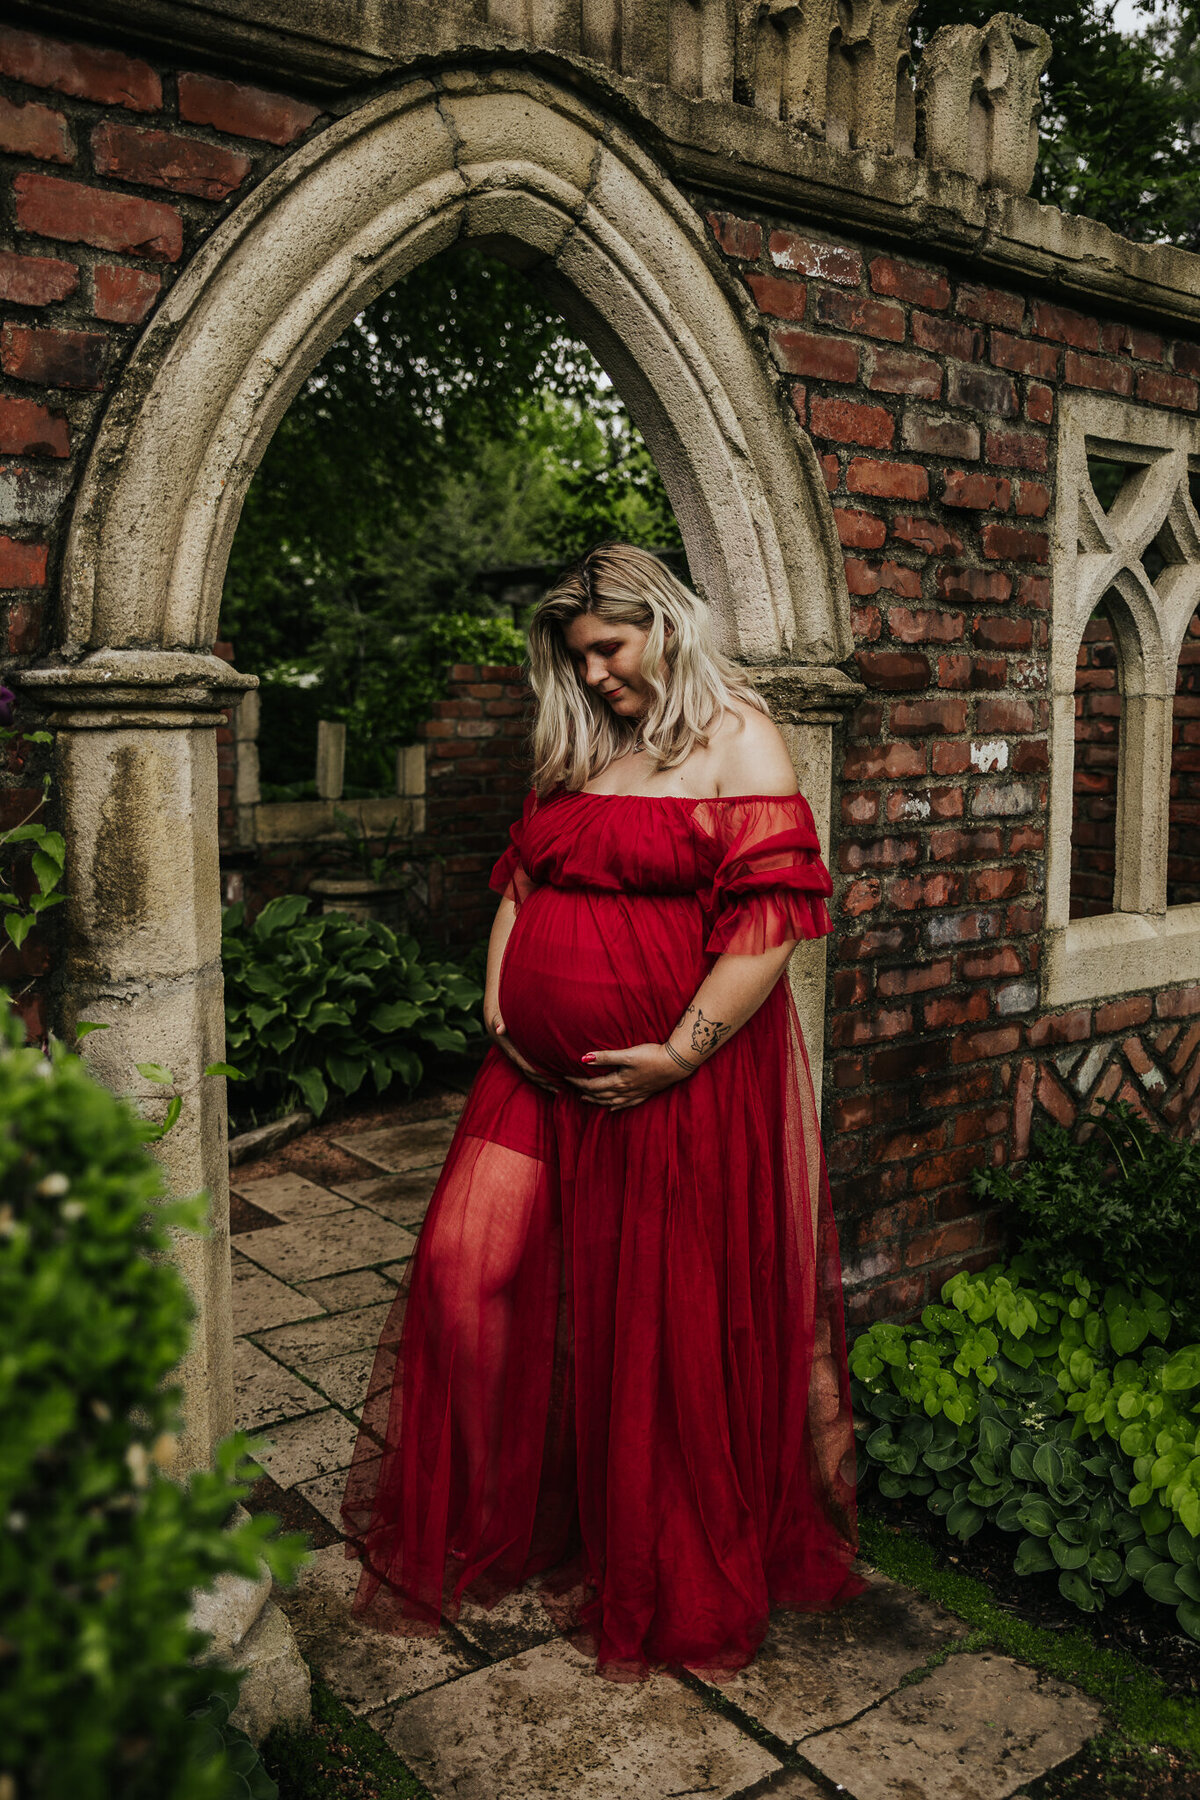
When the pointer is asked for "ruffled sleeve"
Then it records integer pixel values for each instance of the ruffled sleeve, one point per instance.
(769, 883)
(510, 878)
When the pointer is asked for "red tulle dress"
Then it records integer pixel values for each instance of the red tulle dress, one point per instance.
(618, 1356)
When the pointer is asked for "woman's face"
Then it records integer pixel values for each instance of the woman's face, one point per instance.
(608, 657)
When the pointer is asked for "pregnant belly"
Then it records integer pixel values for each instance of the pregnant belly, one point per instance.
(591, 971)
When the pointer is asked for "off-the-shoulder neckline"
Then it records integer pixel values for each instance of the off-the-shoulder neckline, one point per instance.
(687, 799)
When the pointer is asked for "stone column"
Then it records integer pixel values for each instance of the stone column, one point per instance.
(137, 784)
(806, 703)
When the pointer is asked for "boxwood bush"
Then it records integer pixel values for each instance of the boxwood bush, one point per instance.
(1057, 1412)
(316, 1002)
(101, 1549)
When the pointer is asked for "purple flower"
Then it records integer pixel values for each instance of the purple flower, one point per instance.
(7, 701)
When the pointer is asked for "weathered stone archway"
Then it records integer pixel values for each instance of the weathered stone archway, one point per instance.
(506, 158)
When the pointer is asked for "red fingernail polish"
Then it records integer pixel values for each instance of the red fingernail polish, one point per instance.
(589, 1056)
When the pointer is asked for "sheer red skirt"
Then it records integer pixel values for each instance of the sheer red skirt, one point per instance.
(617, 1359)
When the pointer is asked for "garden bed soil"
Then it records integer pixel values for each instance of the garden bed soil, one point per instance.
(1133, 1623)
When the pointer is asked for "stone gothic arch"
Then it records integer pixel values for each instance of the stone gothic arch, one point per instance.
(537, 171)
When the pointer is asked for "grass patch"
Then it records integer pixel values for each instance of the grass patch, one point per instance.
(1138, 1705)
(336, 1757)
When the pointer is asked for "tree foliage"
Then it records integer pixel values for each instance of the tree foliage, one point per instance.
(456, 426)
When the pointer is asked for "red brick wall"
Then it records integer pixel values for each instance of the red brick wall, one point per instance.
(1183, 855)
(114, 172)
(1097, 743)
(476, 779)
(930, 397)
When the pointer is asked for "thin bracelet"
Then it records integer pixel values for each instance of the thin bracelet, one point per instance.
(681, 1060)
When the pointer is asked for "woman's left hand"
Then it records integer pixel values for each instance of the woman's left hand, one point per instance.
(631, 1076)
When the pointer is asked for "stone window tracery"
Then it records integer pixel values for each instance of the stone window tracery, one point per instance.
(1125, 675)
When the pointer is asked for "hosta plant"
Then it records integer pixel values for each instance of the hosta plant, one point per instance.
(1004, 1406)
(316, 1002)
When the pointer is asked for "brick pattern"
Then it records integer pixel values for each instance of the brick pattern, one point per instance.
(113, 173)
(1183, 842)
(476, 779)
(1097, 734)
(1144, 1050)
(930, 400)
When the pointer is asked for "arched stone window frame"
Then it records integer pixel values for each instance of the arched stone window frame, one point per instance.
(1142, 943)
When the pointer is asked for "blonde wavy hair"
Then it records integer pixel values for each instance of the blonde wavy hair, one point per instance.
(575, 734)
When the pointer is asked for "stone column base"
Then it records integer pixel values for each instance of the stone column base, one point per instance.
(250, 1631)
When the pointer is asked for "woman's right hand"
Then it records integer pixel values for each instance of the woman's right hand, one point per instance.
(493, 1024)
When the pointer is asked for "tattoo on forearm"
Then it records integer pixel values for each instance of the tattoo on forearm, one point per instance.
(707, 1033)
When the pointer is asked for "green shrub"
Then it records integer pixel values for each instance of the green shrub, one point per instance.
(321, 1000)
(99, 1693)
(1014, 1403)
(1125, 1203)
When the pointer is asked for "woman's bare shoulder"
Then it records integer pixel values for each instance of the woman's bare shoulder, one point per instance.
(749, 754)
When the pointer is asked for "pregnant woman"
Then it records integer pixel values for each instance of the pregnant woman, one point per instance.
(618, 1356)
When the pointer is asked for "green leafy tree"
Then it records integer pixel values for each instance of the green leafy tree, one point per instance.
(455, 427)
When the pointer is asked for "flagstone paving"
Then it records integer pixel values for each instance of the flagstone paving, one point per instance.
(875, 1702)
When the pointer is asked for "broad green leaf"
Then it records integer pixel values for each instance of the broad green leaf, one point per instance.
(444, 1037)
(1188, 1580)
(1037, 1516)
(347, 1071)
(1032, 1557)
(18, 926)
(47, 872)
(1183, 1370)
(1074, 1586)
(395, 1015)
(86, 1026)
(312, 1085)
(1188, 1615)
(1021, 1462)
(964, 1519)
(1160, 1583)
(1106, 1566)
(152, 1071)
(151, 1133)
(226, 1069)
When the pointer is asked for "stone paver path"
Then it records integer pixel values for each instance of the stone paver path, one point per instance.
(866, 1703)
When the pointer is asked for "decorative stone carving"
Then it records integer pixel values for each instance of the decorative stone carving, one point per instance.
(869, 53)
(838, 69)
(978, 101)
